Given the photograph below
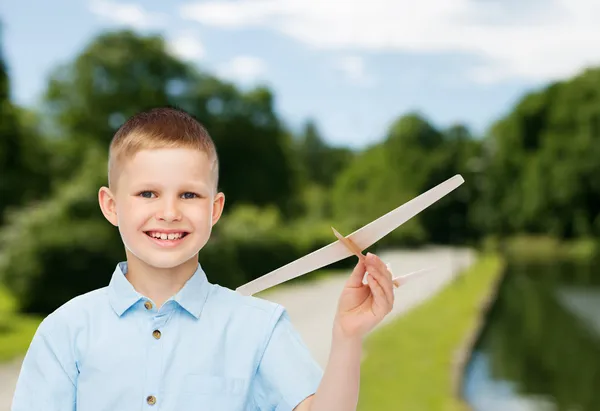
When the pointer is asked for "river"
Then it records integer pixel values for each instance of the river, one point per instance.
(540, 349)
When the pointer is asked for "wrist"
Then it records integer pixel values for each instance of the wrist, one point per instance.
(342, 339)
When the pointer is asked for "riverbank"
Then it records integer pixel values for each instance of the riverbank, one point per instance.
(412, 362)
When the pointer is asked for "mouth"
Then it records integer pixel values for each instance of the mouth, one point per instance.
(166, 239)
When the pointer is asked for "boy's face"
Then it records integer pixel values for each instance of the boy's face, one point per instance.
(164, 205)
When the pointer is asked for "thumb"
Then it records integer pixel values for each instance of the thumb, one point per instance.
(356, 278)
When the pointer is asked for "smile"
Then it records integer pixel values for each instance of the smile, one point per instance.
(166, 239)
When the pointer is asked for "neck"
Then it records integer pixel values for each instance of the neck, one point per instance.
(159, 284)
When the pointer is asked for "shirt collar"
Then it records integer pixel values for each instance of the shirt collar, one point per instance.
(122, 294)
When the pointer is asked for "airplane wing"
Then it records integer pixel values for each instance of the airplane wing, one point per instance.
(364, 237)
(326, 255)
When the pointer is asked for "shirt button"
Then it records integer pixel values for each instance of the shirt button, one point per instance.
(156, 334)
(148, 305)
(151, 399)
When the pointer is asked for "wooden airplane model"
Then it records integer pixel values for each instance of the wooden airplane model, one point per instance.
(354, 243)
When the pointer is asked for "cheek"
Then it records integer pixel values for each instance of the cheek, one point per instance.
(201, 216)
(132, 216)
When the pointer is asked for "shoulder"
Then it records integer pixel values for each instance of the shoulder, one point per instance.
(248, 317)
(233, 304)
(74, 313)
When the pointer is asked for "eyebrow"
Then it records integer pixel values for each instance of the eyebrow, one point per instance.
(186, 186)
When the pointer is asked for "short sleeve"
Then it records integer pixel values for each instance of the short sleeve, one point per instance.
(287, 373)
(47, 378)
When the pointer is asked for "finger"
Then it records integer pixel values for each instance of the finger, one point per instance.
(384, 280)
(380, 305)
(384, 268)
(378, 262)
(395, 281)
(355, 279)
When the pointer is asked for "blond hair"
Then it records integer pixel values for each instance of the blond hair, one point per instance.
(164, 127)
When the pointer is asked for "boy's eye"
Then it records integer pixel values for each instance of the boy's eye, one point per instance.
(188, 195)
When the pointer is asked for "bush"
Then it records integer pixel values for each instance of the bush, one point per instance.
(62, 247)
(544, 248)
(250, 242)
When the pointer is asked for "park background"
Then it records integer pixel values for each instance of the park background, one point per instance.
(522, 128)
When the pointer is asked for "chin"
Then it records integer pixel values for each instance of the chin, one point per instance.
(162, 258)
(167, 261)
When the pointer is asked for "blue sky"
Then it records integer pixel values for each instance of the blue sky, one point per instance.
(353, 69)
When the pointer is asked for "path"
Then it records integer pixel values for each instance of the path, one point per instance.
(312, 306)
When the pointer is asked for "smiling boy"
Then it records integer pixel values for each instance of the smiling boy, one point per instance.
(160, 336)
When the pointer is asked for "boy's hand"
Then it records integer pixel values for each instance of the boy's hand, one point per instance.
(361, 307)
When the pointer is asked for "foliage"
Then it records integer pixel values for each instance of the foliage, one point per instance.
(320, 162)
(413, 158)
(61, 247)
(546, 248)
(251, 242)
(22, 154)
(542, 163)
(121, 73)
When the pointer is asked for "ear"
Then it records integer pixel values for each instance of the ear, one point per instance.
(217, 208)
(108, 205)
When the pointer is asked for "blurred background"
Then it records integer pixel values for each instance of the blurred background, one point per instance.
(329, 114)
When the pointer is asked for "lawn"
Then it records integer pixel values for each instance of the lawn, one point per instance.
(409, 362)
(16, 330)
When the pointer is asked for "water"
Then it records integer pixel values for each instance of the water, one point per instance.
(540, 350)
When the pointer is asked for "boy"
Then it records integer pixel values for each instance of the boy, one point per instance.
(160, 336)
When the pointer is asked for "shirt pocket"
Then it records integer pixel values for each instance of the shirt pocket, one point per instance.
(213, 393)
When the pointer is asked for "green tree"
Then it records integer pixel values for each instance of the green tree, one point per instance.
(413, 157)
(121, 73)
(543, 169)
(321, 163)
(255, 150)
(452, 220)
(386, 175)
(23, 158)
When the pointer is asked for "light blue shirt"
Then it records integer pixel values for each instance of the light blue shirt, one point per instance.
(207, 348)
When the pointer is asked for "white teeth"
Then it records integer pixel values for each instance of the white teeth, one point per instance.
(164, 236)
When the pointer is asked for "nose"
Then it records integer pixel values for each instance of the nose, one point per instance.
(169, 212)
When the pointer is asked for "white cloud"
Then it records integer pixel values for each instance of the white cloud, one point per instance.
(243, 69)
(187, 46)
(541, 41)
(354, 70)
(128, 14)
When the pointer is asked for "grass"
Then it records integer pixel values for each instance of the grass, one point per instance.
(16, 330)
(408, 362)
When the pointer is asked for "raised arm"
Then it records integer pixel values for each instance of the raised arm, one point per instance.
(360, 308)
